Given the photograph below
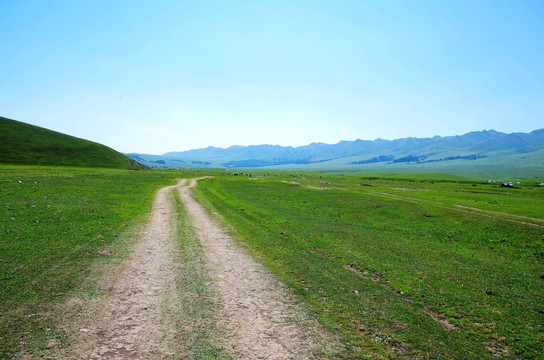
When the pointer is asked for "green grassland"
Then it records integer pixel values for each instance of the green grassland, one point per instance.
(55, 225)
(389, 262)
(393, 265)
(26, 144)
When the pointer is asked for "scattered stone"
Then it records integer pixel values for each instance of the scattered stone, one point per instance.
(377, 339)
(52, 343)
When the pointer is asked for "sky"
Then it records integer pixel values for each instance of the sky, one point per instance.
(158, 76)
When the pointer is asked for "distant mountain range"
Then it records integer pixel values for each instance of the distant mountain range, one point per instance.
(488, 154)
(480, 152)
(26, 144)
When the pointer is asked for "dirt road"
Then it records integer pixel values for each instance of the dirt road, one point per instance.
(129, 323)
(257, 313)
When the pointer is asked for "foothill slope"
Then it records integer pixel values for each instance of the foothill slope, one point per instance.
(25, 144)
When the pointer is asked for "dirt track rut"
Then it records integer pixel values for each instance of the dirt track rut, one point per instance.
(129, 323)
(257, 313)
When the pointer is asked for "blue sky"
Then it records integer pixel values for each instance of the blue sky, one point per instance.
(158, 76)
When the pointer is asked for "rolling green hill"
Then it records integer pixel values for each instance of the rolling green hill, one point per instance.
(26, 144)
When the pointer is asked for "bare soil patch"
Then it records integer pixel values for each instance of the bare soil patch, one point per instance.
(129, 323)
(310, 186)
(134, 316)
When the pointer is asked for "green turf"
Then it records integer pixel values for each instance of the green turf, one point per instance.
(388, 263)
(55, 223)
(399, 278)
(26, 144)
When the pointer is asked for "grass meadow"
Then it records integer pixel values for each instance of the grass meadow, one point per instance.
(411, 266)
(55, 225)
(394, 265)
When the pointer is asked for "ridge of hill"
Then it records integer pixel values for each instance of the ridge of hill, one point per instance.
(486, 152)
(25, 144)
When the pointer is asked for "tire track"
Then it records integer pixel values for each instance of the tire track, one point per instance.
(257, 311)
(130, 323)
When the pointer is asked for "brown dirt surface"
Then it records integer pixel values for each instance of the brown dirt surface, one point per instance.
(258, 318)
(129, 323)
(258, 313)
(310, 186)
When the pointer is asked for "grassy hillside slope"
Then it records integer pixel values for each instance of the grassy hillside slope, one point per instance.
(26, 144)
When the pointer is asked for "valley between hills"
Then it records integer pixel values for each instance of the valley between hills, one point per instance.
(105, 258)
